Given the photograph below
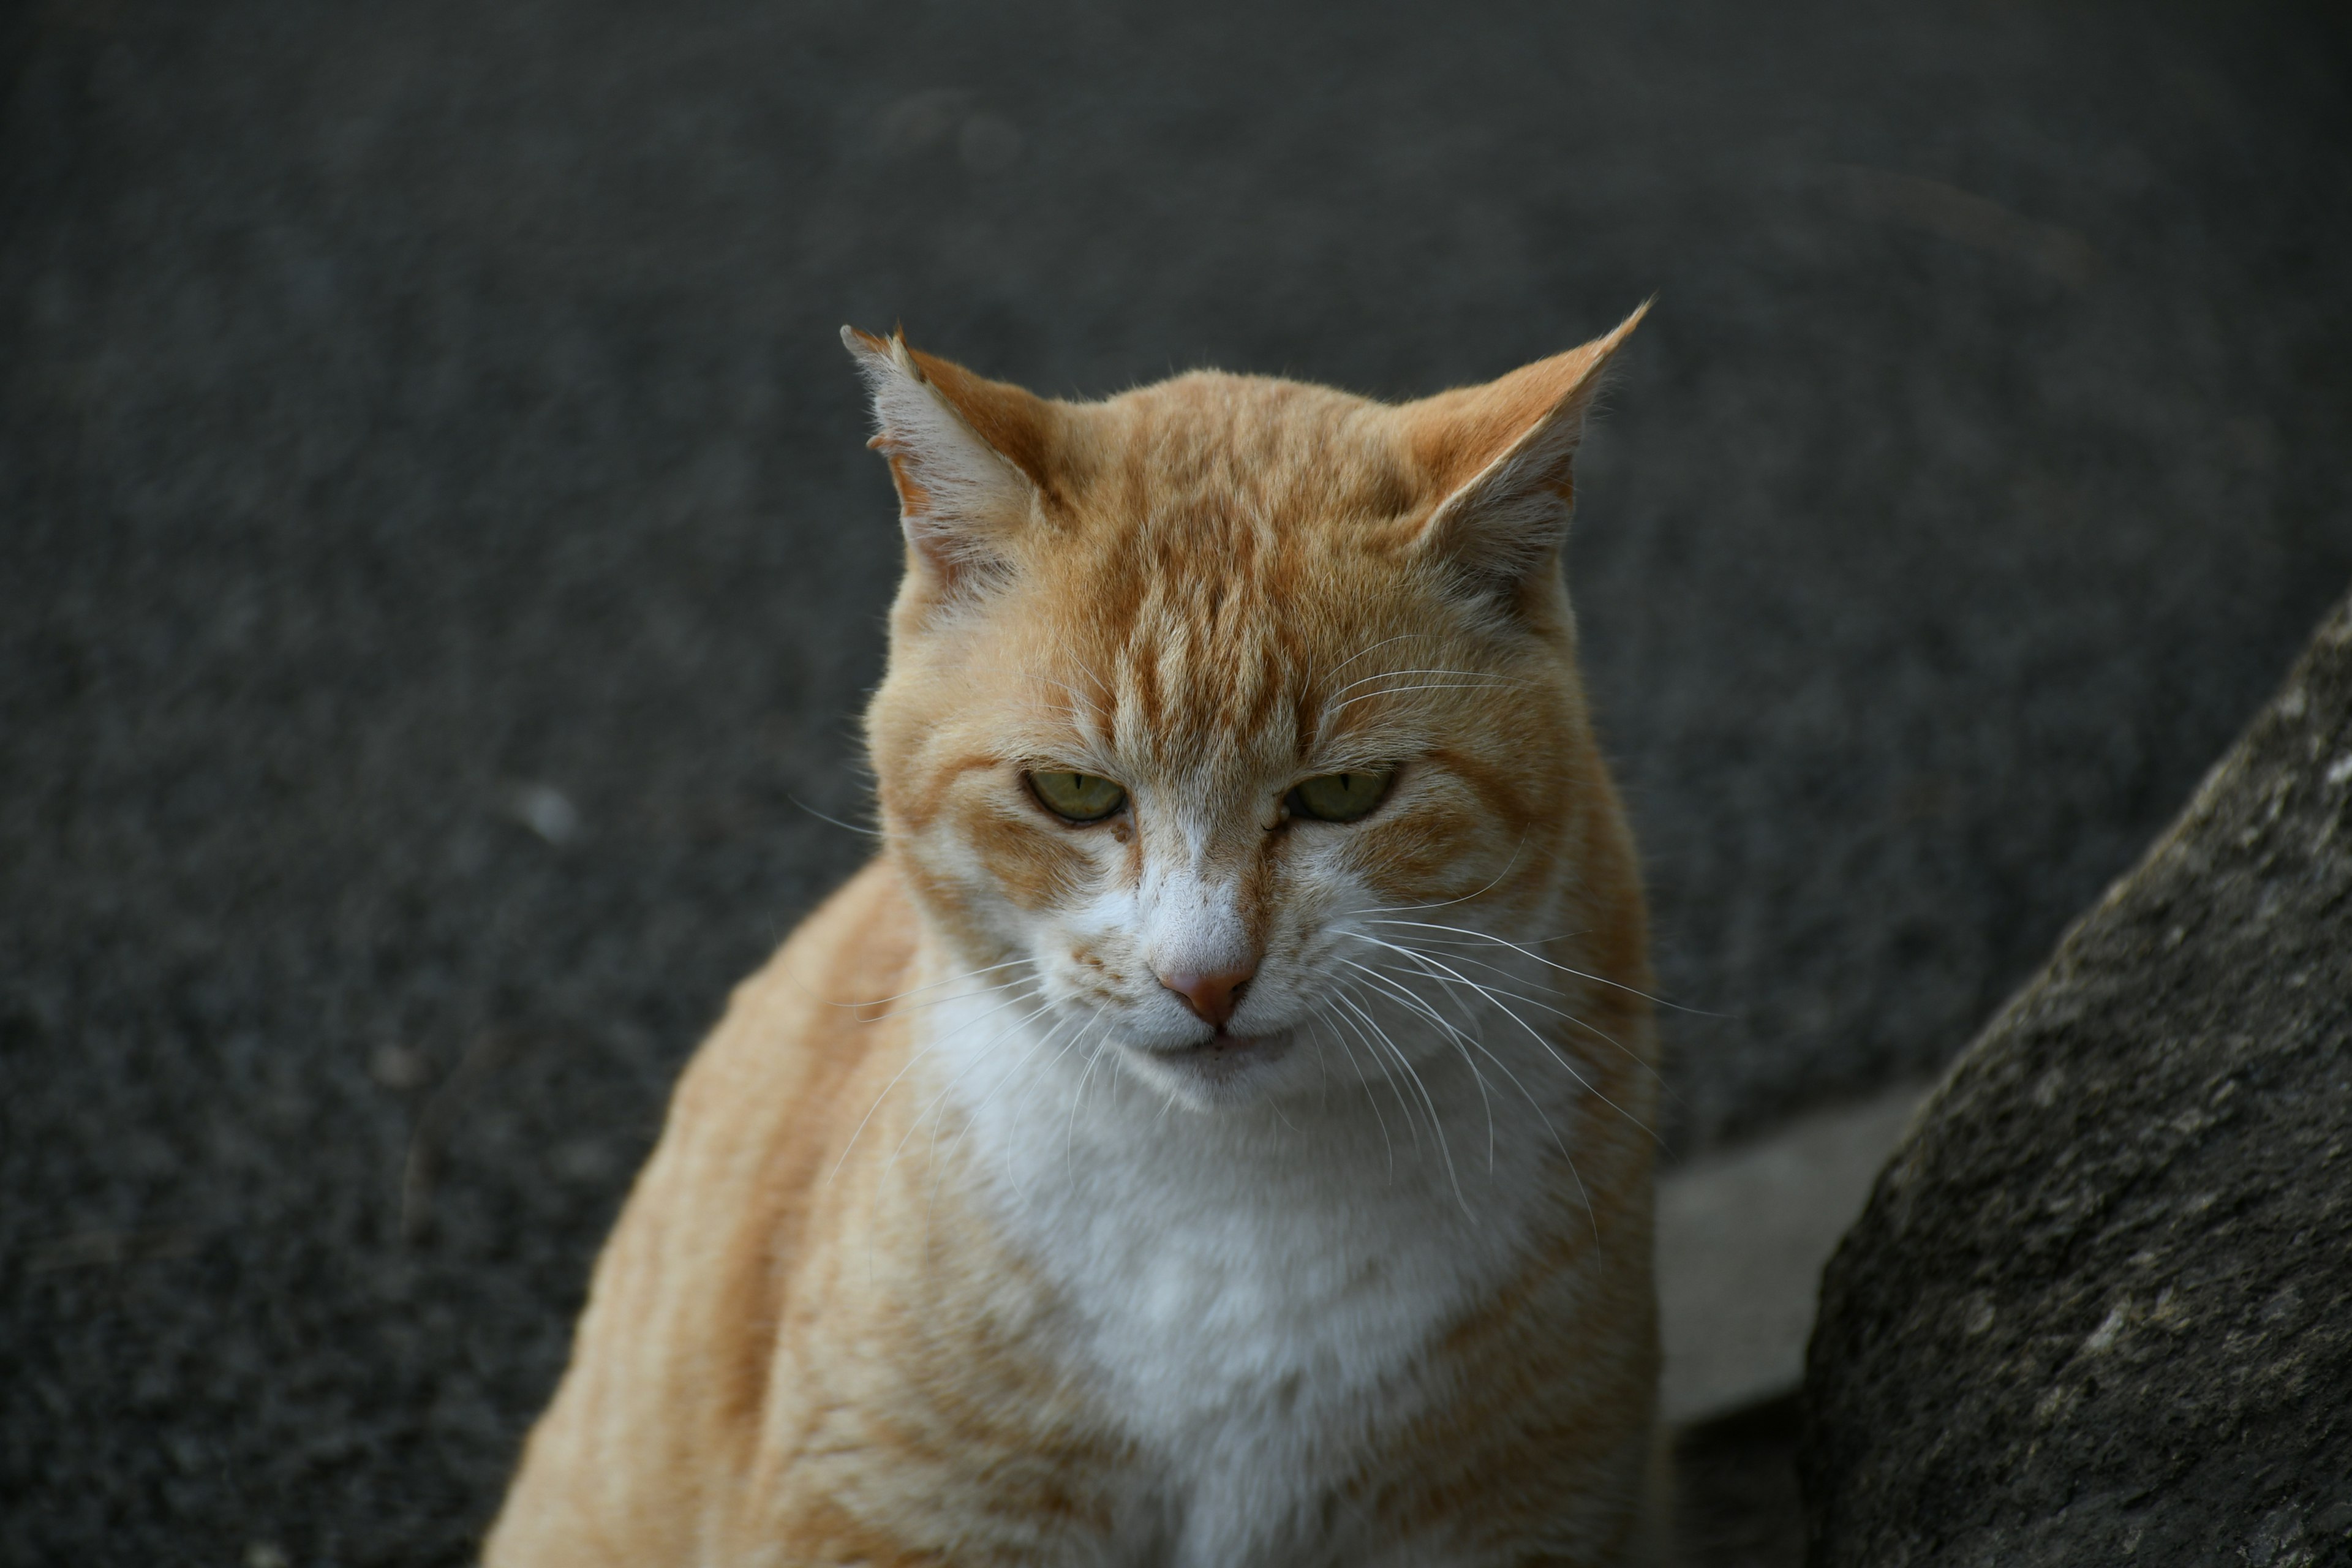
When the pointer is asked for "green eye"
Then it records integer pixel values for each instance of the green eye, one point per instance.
(1341, 797)
(1080, 797)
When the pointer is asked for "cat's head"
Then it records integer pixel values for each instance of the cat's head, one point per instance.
(1190, 689)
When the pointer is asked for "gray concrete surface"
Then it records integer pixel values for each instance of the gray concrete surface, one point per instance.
(438, 562)
(1742, 1234)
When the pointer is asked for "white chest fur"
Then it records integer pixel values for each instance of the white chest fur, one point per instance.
(1256, 1290)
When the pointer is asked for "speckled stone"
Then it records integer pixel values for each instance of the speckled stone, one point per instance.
(2099, 1309)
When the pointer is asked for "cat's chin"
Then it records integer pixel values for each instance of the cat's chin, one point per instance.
(1229, 1069)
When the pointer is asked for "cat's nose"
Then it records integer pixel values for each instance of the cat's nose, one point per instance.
(1212, 997)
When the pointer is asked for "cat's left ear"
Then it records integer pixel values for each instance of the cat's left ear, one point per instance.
(1502, 457)
(967, 455)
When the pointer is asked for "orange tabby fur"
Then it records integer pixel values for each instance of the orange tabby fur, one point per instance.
(851, 1312)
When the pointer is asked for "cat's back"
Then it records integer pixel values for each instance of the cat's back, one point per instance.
(673, 1359)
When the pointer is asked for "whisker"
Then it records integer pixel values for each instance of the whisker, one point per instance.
(1405, 674)
(948, 1088)
(1363, 653)
(1078, 1098)
(909, 1067)
(1025, 1058)
(1461, 1040)
(1537, 1036)
(874, 832)
(1396, 691)
(1370, 1097)
(891, 1164)
(938, 1165)
(1429, 1101)
(1456, 1038)
(919, 990)
(1444, 903)
(1564, 969)
(1426, 959)
(1345, 995)
(1077, 1037)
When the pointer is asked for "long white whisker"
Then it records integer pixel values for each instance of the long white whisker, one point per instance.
(1025, 1058)
(1539, 958)
(1371, 1099)
(1456, 1038)
(1461, 1040)
(948, 1088)
(1367, 652)
(1345, 995)
(1436, 1122)
(1536, 1035)
(1408, 674)
(1445, 903)
(1471, 1042)
(938, 1166)
(908, 1066)
(1077, 1037)
(1395, 691)
(1078, 1098)
(933, 986)
(1427, 959)
(892, 1162)
(834, 821)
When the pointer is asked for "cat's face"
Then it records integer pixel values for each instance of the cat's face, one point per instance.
(1204, 702)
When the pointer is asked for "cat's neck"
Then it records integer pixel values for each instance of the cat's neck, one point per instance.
(1206, 1257)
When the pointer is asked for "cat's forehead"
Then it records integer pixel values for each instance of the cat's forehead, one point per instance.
(1209, 450)
(1220, 657)
(1235, 550)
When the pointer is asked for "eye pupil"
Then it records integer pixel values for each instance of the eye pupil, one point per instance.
(1341, 797)
(1076, 797)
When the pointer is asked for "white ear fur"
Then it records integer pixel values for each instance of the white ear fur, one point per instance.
(1509, 519)
(1512, 516)
(955, 490)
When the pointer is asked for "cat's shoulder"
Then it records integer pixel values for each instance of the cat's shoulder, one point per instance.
(824, 1000)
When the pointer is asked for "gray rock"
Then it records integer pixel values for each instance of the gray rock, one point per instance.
(2099, 1309)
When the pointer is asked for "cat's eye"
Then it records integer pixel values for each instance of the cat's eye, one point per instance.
(1341, 797)
(1078, 797)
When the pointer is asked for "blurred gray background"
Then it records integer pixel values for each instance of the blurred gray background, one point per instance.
(440, 564)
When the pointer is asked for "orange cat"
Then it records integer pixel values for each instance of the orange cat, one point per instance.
(1214, 1131)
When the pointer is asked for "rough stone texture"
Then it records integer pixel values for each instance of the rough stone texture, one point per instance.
(2099, 1309)
(406, 407)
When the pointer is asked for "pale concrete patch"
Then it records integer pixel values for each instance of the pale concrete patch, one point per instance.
(1742, 1236)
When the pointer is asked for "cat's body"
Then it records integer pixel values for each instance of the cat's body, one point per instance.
(1156, 1186)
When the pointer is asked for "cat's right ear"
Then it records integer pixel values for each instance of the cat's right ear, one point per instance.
(1502, 457)
(966, 454)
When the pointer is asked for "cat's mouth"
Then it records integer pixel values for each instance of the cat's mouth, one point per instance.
(1225, 1056)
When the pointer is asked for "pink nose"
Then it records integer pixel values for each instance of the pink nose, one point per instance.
(1212, 997)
